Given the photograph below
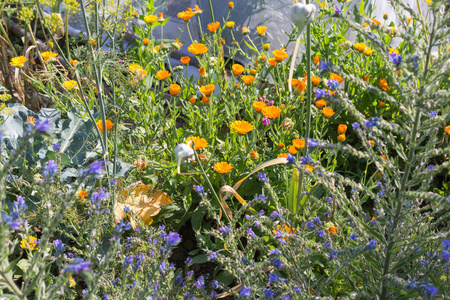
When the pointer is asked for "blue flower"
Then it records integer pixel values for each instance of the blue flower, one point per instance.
(76, 266)
(95, 168)
(275, 214)
(395, 58)
(285, 298)
(212, 255)
(307, 160)
(244, 292)
(333, 83)
(325, 65)
(430, 289)
(273, 277)
(200, 283)
(319, 93)
(274, 251)
(225, 230)
(49, 170)
(337, 11)
(353, 237)
(98, 196)
(128, 261)
(121, 227)
(42, 125)
(172, 239)
(269, 293)
(327, 244)
(432, 113)
(14, 223)
(370, 245)
(59, 247)
(316, 220)
(250, 233)
(277, 263)
(356, 125)
(312, 143)
(297, 289)
(333, 254)
(200, 190)
(320, 233)
(262, 177)
(445, 255)
(290, 159)
(56, 147)
(446, 243)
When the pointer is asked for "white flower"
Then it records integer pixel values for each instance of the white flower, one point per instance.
(302, 14)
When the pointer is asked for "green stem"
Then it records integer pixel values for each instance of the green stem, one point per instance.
(211, 11)
(11, 284)
(66, 24)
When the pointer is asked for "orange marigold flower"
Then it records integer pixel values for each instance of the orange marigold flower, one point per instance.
(230, 5)
(197, 9)
(199, 143)
(341, 137)
(327, 112)
(193, 99)
(185, 60)
(379, 175)
(381, 104)
(342, 128)
(336, 77)
(272, 62)
(259, 105)
(316, 59)
(248, 79)
(253, 72)
(368, 51)
(174, 89)
(150, 19)
(301, 85)
(315, 80)
(237, 69)
(298, 143)
(282, 155)
(280, 145)
(73, 62)
(261, 30)
(145, 42)
(383, 84)
(294, 82)
(292, 150)
(109, 125)
(245, 30)
(309, 168)
(372, 143)
(81, 195)
(212, 27)
(31, 119)
(254, 154)
(197, 49)
(176, 44)
(447, 129)
(241, 127)
(321, 103)
(360, 47)
(332, 229)
(162, 74)
(376, 22)
(223, 167)
(140, 163)
(186, 15)
(366, 78)
(202, 72)
(280, 54)
(205, 100)
(271, 112)
(230, 24)
(409, 20)
(160, 17)
(207, 89)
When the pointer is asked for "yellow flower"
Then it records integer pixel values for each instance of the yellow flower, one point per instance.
(70, 85)
(341, 137)
(199, 142)
(150, 19)
(368, 51)
(327, 112)
(230, 5)
(282, 155)
(272, 62)
(237, 69)
(254, 154)
(271, 112)
(18, 61)
(176, 44)
(73, 62)
(360, 47)
(342, 128)
(174, 89)
(266, 47)
(109, 125)
(245, 30)
(134, 67)
(393, 50)
(253, 72)
(280, 54)
(230, 24)
(248, 79)
(72, 282)
(197, 49)
(29, 243)
(223, 167)
(241, 127)
(207, 89)
(186, 15)
(261, 30)
(49, 56)
(212, 27)
(162, 74)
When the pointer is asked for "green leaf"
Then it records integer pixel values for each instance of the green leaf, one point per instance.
(23, 264)
(362, 8)
(200, 259)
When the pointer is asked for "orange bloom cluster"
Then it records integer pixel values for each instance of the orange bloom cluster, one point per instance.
(237, 69)
(271, 112)
(383, 84)
(185, 60)
(174, 89)
(241, 127)
(259, 105)
(212, 27)
(207, 89)
(342, 128)
(186, 15)
(162, 74)
(280, 54)
(109, 125)
(223, 167)
(199, 142)
(327, 112)
(197, 49)
(248, 79)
